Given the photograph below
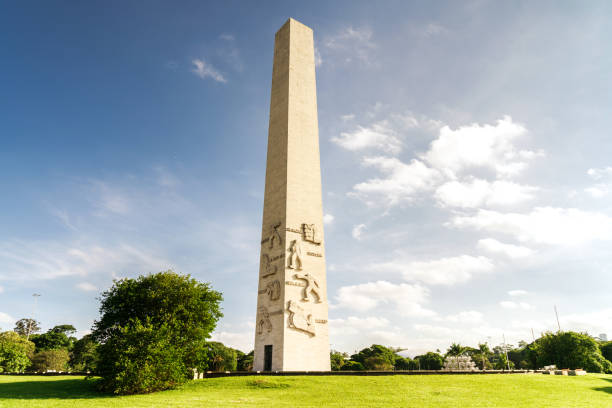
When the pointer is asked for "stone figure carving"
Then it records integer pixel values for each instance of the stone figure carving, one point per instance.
(312, 287)
(300, 319)
(273, 290)
(310, 234)
(295, 257)
(268, 268)
(263, 321)
(275, 236)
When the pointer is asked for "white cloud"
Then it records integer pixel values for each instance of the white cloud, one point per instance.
(543, 225)
(407, 298)
(227, 37)
(477, 193)
(517, 292)
(351, 43)
(511, 251)
(443, 271)
(595, 322)
(86, 286)
(347, 118)
(328, 219)
(358, 231)
(476, 146)
(1, 289)
(403, 180)
(49, 260)
(205, 70)
(317, 57)
(6, 318)
(433, 29)
(467, 317)
(598, 174)
(242, 341)
(447, 166)
(603, 188)
(508, 304)
(379, 136)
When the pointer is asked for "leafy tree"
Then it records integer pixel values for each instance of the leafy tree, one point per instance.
(430, 361)
(141, 358)
(337, 359)
(14, 352)
(405, 363)
(502, 363)
(482, 358)
(376, 357)
(26, 327)
(456, 349)
(66, 329)
(84, 354)
(570, 350)
(221, 358)
(606, 350)
(55, 338)
(168, 314)
(245, 361)
(378, 363)
(352, 366)
(50, 360)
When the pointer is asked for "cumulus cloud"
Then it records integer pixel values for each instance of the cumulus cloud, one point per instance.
(328, 219)
(358, 231)
(602, 173)
(443, 271)
(447, 168)
(517, 292)
(379, 136)
(402, 181)
(479, 146)
(367, 296)
(205, 70)
(511, 251)
(477, 193)
(543, 225)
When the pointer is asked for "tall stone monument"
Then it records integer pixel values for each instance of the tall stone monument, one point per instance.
(291, 328)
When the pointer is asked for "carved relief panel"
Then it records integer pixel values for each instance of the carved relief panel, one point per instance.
(263, 320)
(300, 319)
(311, 288)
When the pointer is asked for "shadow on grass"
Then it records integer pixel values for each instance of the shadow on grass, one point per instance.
(59, 389)
(605, 389)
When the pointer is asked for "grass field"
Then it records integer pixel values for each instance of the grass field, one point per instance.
(439, 391)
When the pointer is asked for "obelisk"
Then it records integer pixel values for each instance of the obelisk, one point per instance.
(291, 331)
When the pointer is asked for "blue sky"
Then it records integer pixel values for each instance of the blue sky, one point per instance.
(465, 153)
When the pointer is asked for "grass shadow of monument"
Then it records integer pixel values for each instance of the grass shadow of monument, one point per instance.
(58, 389)
(605, 389)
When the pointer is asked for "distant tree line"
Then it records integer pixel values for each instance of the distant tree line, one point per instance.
(564, 349)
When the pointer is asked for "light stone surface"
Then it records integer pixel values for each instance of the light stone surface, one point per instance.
(292, 314)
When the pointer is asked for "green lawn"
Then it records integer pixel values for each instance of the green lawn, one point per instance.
(439, 391)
